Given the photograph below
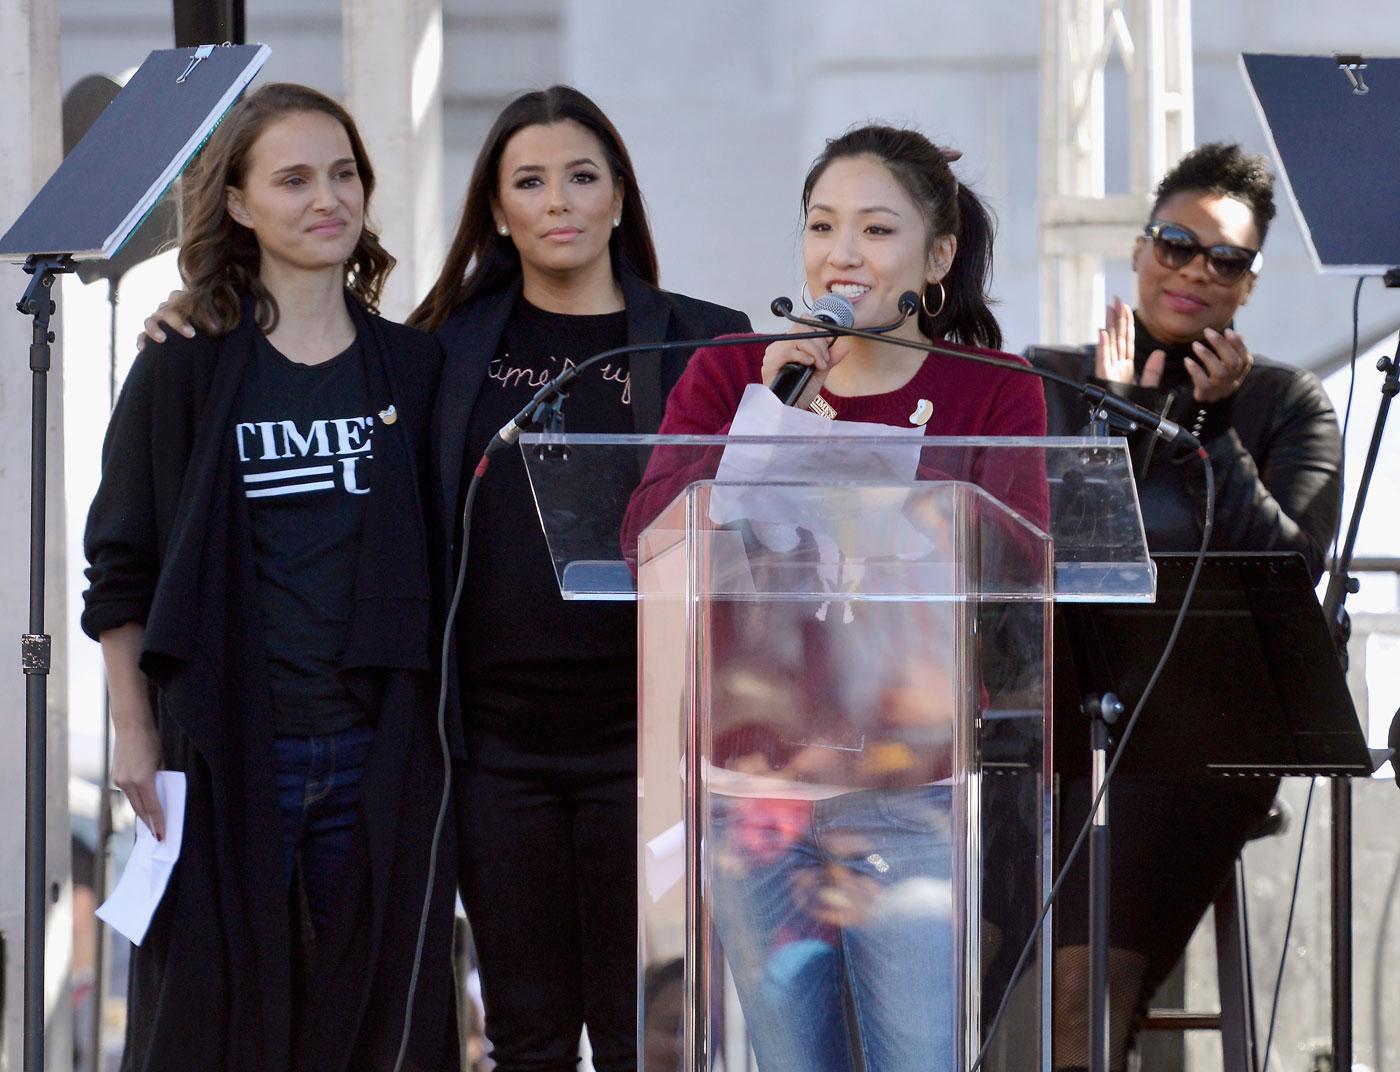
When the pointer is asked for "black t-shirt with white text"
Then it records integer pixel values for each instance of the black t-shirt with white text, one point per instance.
(538, 670)
(304, 439)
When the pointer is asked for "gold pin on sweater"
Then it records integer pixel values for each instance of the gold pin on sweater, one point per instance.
(388, 416)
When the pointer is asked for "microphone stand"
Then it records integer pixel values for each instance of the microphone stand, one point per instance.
(36, 656)
(546, 404)
(1340, 584)
(1120, 412)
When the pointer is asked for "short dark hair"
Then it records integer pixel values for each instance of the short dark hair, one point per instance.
(1224, 169)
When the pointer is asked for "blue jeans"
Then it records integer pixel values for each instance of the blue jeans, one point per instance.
(837, 904)
(318, 795)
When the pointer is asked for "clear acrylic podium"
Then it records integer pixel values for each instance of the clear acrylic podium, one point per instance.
(844, 727)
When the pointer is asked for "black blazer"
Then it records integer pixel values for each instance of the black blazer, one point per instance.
(472, 334)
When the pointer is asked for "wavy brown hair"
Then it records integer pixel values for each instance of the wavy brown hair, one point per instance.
(480, 260)
(219, 257)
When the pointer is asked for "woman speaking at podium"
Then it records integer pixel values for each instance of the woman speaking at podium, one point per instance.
(1272, 437)
(261, 584)
(830, 848)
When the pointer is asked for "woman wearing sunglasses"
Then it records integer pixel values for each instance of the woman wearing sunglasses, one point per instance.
(1272, 437)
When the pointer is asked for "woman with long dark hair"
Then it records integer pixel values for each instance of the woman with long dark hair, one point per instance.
(260, 584)
(831, 902)
(552, 261)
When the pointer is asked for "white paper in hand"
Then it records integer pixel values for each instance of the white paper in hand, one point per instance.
(133, 903)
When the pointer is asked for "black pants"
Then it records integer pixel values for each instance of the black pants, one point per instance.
(1172, 847)
(549, 880)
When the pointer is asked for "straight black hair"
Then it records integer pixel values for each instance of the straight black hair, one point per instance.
(480, 260)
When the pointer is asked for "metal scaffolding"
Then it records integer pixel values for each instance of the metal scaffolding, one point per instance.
(1080, 224)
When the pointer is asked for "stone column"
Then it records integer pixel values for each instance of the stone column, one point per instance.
(393, 87)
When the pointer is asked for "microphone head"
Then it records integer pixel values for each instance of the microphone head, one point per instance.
(908, 303)
(835, 310)
(780, 306)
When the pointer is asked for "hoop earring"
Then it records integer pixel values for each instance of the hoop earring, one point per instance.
(803, 295)
(932, 314)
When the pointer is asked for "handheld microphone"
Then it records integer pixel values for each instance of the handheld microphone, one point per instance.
(546, 403)
(792, 378)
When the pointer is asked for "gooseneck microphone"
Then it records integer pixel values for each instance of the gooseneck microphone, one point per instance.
(1121, 412)
(792, 378)
(550, 397)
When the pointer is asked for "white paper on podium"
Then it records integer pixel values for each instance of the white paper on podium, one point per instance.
(133, 903)
(776, 514)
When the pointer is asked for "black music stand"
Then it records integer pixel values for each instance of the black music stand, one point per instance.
(1254, 688)
(105, 187)
(1330, 125)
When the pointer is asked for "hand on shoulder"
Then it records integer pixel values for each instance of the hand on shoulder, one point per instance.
(171, 313)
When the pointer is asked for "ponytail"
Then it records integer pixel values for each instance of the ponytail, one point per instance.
(966, 314)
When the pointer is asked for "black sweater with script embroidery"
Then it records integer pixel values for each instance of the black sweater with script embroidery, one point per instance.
(541, 669)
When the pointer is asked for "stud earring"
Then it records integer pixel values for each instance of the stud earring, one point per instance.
(504, 230)
(617, 221)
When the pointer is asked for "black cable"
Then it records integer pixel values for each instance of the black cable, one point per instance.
(1377, 974)
(1346, 419)
(1118, 753)
(446, 761)
(1288, 927)
(1336, 537)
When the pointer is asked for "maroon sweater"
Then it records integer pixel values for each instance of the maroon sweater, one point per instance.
(968, 400)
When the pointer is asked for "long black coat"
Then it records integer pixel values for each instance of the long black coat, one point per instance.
(170, 547)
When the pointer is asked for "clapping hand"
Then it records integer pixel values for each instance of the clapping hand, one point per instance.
(1221, 363)
(1113, 359)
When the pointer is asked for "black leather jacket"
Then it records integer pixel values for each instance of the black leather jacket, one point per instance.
(1275, 446)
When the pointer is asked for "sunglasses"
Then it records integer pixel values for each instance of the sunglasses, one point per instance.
(1175, 247)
